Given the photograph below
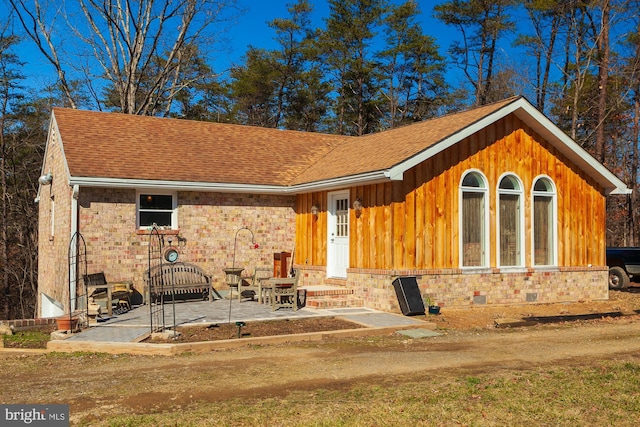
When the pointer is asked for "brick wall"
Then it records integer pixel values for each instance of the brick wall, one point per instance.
(28, 324)
(208, 221)
(53, 247)
(455, 288)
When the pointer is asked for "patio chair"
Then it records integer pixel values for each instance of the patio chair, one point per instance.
(99, 290)
(249, 286)
(284, 291)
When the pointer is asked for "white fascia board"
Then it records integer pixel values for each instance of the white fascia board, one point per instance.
(543, 126)
(398, 170)
(567, 146)
(369, 178)
(337, 183)
(175, 185)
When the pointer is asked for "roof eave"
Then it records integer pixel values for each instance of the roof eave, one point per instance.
(329, 184)
(342, 182)
(543, 126)
(150, 184)
(567, 146)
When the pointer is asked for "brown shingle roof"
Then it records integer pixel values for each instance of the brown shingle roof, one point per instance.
(112, 145)
(383, 150)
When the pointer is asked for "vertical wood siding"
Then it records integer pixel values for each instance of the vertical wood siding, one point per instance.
(414, 223)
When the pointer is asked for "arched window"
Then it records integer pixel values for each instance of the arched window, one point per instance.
(473, 220)
(544, 222)
(510, 220)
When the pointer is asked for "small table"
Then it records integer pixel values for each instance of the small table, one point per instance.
(264, 285)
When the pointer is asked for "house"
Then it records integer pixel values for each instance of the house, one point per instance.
(494, 205)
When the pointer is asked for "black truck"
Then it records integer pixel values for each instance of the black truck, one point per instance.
(624, 266)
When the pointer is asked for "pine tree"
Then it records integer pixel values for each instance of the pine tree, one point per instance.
(412, 69)
(346, 52)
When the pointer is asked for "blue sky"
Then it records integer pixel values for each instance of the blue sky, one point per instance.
(250, 28)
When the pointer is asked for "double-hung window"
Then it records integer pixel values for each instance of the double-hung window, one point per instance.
(157, 209)
(474, 220)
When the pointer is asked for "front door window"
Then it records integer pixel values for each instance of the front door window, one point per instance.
(338, 235)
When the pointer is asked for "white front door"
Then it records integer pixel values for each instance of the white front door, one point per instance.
(338, 235)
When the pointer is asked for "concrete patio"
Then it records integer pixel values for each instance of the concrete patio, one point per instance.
(126, 330)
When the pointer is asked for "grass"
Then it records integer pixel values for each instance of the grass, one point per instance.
(601, 394)
(33, 338)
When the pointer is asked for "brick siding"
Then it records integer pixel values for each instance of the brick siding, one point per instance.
(53, 249)
(457, 288)
(209, 223)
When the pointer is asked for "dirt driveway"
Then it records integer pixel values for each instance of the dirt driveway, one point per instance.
(95, 384)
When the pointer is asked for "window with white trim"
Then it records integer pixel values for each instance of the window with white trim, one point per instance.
(511, 220)
(473, 220)
(544, 222)
(158, 209)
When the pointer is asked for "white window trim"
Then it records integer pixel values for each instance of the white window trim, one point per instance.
(487, 239)
(554, 221)
(521, 244)
(174, 207)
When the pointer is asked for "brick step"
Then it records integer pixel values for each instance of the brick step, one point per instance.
(327, 297)
(327, 291)
(329, 303)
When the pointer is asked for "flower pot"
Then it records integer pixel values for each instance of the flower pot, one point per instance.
(434, 309)
(66, 323)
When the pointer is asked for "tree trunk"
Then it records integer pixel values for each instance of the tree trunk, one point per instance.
(603, 78)
(631, 198)
(4, 259)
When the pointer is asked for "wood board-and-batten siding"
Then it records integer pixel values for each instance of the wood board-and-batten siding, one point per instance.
(413, 224)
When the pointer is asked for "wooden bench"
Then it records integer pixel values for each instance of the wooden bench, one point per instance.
(179, 279)
(99, 289)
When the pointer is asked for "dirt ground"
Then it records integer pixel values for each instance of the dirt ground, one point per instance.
(621, 305)
(260, 329)
(97, 385)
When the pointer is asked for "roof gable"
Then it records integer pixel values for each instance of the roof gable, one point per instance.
(111, 149)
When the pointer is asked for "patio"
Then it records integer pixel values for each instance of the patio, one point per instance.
(134, 325)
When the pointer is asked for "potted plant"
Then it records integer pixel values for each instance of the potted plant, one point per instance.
(432, 306)
(67, 323)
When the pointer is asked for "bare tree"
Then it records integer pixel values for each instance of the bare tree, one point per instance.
(547, 20)
(481, 24)
(136, 49)
(9, 79)
(603, 76)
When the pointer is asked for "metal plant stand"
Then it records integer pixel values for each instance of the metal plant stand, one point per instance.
(77, 268)
(156, 282)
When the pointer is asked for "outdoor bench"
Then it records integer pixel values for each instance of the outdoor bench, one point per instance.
(178, 279)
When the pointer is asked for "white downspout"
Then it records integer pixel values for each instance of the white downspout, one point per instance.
(74, 228)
